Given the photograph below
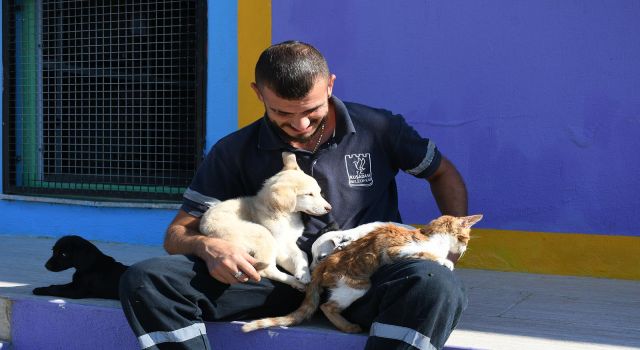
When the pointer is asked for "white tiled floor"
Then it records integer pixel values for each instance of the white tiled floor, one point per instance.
(506, 310)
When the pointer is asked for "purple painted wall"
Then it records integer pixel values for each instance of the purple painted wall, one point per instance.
(536, 102)
(68, 326)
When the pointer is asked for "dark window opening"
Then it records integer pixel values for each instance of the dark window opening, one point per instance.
(102, 98)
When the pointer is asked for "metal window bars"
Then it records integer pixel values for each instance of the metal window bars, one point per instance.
(103, 98)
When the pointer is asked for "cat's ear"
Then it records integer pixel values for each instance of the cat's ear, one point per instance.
(468, 221)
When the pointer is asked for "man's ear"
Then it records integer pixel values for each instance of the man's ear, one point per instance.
(255, 88)
(332, 79)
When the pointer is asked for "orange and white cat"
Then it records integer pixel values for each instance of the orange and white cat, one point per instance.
(346, 273)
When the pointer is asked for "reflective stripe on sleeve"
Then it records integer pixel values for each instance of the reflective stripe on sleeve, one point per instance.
(199, 198)
(426, 161)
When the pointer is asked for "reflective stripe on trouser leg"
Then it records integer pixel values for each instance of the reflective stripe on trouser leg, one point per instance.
(404, 334)
(166, 300)
(161, 304)
(177, 336)
(421, 296)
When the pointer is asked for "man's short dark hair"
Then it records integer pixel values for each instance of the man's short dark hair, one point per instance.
(290, 69)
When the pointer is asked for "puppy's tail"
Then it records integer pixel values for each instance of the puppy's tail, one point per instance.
(306, 310)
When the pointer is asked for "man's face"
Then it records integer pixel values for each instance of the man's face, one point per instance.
(298, 120)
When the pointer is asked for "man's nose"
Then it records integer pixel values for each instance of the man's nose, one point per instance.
(300, 123)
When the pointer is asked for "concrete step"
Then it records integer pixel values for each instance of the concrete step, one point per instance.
(58, 324)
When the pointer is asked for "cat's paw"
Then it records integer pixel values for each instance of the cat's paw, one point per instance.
(446, 263)
(351, 328)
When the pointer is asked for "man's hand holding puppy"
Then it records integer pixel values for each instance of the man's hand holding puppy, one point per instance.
(223, 259)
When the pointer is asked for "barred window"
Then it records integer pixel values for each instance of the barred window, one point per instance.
(102, 98)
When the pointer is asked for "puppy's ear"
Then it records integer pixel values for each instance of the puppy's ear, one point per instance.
(282, 198)
(289, 160)
(83, 254)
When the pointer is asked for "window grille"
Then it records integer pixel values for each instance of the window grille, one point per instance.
(102, 98)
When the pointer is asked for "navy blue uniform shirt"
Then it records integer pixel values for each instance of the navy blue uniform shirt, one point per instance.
(356, 168)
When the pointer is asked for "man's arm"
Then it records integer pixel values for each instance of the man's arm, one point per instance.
(449, 192)
(223, 258)
(448, 189)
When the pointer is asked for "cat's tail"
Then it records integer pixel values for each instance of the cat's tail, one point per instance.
(307, 309)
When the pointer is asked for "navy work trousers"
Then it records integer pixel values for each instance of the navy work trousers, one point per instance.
(412, 304)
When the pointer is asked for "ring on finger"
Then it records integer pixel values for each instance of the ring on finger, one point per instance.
(238, 274)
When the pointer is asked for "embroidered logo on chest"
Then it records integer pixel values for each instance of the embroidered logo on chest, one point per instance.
(359, 169)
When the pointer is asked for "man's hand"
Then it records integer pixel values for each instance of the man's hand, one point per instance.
(224, 259)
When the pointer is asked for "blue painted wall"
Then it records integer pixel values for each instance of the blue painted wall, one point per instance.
(536, 102)
(133, 225)
(222, 70)
(1, 101)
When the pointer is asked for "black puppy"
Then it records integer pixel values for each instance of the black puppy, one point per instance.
(97, 275)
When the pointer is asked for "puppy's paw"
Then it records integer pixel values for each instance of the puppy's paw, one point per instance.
(299, 286)
(41, 291)
(304, 276)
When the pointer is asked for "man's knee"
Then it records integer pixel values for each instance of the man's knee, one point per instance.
(139, 274)
(432, 281)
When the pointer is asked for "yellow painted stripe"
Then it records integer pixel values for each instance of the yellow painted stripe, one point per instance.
(554, 253)
(254, 35)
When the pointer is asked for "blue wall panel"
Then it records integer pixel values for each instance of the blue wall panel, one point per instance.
(132, 225)
(222, 70)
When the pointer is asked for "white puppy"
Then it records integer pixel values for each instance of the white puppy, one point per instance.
(268, 224)
(336, 240)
